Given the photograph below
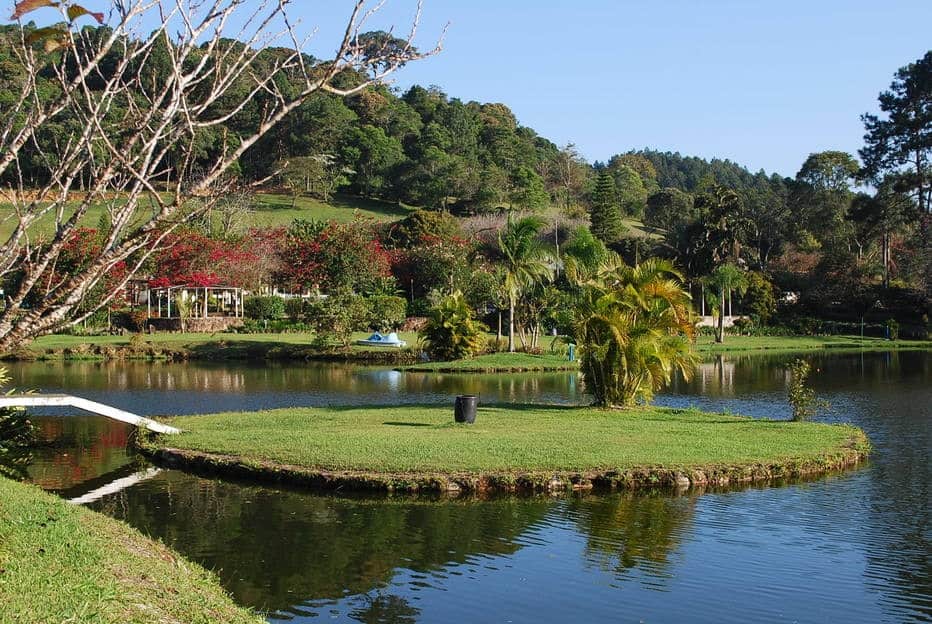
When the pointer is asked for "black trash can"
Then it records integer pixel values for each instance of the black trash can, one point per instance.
(464, 410)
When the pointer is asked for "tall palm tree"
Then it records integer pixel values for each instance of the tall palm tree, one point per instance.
(721, 282)
(633, 328)
(525, 262)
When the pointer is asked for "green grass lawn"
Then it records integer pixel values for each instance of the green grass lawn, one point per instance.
(707, 344)
(269, 209)
(63, 563)
(504, 439)
(499, 362)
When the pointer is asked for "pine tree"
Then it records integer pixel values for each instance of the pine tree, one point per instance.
(605, 214)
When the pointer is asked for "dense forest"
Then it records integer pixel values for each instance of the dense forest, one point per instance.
(844, 239)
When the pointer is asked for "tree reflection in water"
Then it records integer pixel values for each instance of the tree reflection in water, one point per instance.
(277, 549)
(633, 531)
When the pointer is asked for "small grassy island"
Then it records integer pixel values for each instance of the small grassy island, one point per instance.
(63, 563)
(515, 447)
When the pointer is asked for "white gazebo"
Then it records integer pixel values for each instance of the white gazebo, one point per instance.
(195, 302)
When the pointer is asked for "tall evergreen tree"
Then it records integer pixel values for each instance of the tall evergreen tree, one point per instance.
(605, 214)
(900, 145)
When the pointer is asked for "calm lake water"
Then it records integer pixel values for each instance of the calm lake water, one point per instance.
(848, 548)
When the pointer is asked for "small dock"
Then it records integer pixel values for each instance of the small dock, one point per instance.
(65, 400)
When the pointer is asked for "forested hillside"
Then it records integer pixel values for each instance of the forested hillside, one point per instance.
(845, 252)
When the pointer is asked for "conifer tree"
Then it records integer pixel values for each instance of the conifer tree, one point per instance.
(605, 215)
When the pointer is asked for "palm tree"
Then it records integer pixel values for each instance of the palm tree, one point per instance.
(633, 326)
(723, 280)
(525, 262)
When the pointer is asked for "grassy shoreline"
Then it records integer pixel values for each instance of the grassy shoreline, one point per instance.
(298, 347)
(63, 563)
(210, 347)
(510, 448)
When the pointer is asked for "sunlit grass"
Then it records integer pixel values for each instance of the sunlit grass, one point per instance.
(504, 438)
(63, 563)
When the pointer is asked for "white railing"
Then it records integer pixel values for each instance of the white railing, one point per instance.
(65, 400)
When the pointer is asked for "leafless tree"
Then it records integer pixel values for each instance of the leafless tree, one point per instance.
(131, 124)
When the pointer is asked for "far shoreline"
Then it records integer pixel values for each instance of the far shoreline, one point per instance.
(285, 347)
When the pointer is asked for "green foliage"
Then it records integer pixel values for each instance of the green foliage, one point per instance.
(668, 208)
(632, 326)
(336, 317)
(294, 309)
(759, 300)
(320, 176)
(451, 332)
(422, 226)
(17, 433)
(585, 250)
(386, 312)
(630, 191)
(264, 308)
(528, 190)
(605, 213)
(801, 397)
(893, 329)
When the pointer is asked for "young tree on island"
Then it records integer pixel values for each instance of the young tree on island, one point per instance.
(144, 107)
(633, 328)
(605, 213)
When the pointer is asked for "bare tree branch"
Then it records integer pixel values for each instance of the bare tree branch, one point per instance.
(137, 105)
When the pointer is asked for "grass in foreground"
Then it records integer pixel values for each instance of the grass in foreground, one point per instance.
(504, 439)
(63, 563)
(499, 362)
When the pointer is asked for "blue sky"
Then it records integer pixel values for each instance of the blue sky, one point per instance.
(761, 83)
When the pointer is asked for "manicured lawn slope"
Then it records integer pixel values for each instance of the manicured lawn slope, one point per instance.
(62, 563)
(504, 438)
(271, 209)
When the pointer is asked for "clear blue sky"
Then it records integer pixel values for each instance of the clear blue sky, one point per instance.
(761, 83)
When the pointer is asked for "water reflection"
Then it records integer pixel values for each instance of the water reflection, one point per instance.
(277, 550)
(191, 388)
(854, 547)
(628, 531)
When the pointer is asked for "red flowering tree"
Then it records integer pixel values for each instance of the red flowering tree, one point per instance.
(192, 259)
(335, 257)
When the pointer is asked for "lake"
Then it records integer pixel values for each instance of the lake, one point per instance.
(851, 548)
